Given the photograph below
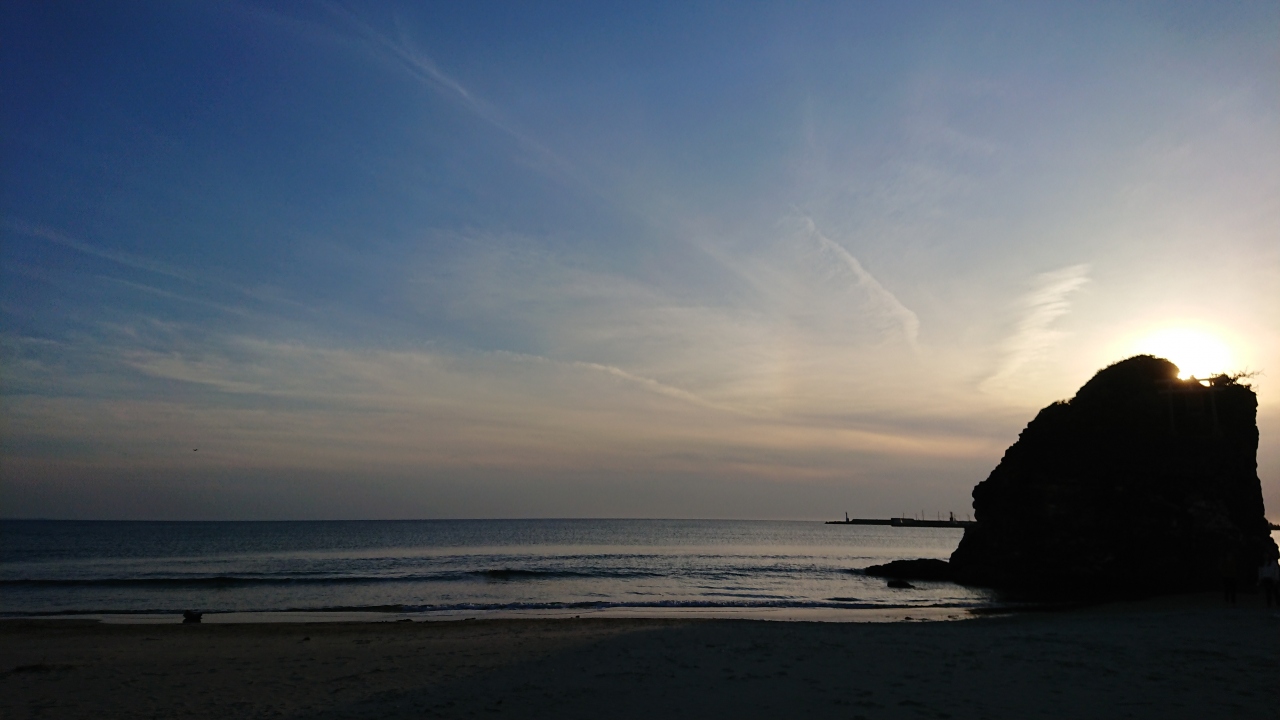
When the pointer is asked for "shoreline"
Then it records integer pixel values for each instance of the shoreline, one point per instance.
(821, 614)
(1171, 657)
(764, 614)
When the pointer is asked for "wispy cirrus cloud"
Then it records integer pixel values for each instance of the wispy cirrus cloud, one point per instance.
(206, 287)
(255, 403)
(120, 258)
(1034, 336)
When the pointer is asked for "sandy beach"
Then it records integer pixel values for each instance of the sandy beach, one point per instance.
(1184, 657)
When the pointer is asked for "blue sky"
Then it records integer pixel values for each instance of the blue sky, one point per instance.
(589, 259)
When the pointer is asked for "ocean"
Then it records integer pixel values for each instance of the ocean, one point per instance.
(468, 568)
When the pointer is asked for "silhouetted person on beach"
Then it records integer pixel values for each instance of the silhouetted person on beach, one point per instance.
(1269, 580)
(1228, 569)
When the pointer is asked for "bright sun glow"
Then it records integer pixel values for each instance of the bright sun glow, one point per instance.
(1194, 352)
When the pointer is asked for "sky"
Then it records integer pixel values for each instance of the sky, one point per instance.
(690, 260)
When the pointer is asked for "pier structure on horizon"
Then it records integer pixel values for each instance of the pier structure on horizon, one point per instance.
(904, 521)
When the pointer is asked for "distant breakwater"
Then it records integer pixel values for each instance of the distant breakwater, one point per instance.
(905, 522)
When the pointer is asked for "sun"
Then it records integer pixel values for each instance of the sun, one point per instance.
(1195, 352)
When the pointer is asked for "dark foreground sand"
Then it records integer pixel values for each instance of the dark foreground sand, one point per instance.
(1179, 658)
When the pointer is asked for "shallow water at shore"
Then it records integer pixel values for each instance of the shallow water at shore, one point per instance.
(444, 569)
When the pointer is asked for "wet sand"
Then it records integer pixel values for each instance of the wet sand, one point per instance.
(1184, 657)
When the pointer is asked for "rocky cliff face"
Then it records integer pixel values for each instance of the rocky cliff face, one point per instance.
(1140, 483)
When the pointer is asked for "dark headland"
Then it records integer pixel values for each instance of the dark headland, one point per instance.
(1141, 484)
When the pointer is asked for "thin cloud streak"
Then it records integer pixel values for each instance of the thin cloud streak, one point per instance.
(156, 267)
(1034, 336)
(120, 258)
(425, 69)
(879, 295)
(176, 296)
(657, 387)
(807, 285)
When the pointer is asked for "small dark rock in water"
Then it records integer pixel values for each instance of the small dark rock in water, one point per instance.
(913, 569)
(902, 584)
(1141, 484)
(191, 616)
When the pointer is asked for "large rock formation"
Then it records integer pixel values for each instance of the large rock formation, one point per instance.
(1140, 483)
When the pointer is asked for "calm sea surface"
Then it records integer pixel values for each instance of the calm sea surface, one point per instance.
(473, 566)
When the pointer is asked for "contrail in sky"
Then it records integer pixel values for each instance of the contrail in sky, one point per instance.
(429, 73)
(880, 296)
(648, 383)
(655, 386)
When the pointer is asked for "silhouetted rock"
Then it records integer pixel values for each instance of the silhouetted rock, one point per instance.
(191, 616)
(900, 584)
(1142, 483)
(912, 569)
